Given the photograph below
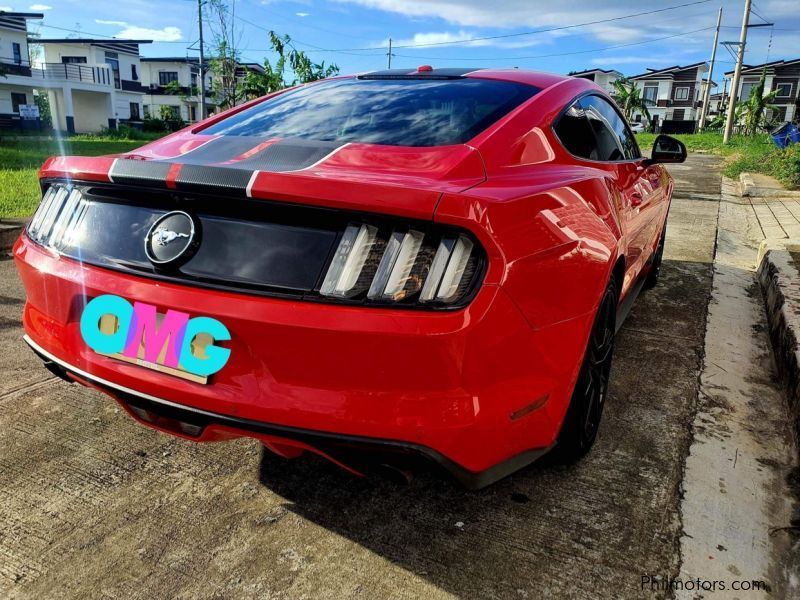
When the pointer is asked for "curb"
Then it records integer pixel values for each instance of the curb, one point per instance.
(9, 232)
(748, 188)
(780, 285)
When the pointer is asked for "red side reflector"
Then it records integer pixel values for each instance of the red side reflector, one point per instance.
(424, 68)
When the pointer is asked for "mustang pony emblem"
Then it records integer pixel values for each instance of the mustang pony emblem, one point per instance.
(164, 236)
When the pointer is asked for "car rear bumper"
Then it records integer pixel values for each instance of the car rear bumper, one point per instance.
(477, 390)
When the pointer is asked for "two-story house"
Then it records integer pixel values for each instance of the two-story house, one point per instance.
(175, 82)
(602, 77)
(98, 82)
(783, 76)
(674, 93)
(16, 76)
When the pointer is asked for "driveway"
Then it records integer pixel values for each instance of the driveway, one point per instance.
(92, 504)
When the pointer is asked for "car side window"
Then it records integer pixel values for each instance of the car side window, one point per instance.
(615, 139)
(575, 133)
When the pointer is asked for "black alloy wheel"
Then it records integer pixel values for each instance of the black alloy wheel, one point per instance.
(655, 263)
(579, 430)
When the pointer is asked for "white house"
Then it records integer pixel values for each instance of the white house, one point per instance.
(602, 77)
(92, 83)
(16, 87)
(158, 73)
(674, 92)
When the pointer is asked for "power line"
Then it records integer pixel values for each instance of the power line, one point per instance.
(523, 33)
(296, 41)
(102, 35)
(512, 58)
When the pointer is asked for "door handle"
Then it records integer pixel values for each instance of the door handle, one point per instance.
(636, 199)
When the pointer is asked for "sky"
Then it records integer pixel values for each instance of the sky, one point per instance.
(552, 35)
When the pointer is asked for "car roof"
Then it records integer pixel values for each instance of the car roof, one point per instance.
(538, 79)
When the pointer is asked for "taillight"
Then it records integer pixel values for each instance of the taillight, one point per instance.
(402, 265)
(58, 217)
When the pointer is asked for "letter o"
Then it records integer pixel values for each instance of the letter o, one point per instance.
(90, 323)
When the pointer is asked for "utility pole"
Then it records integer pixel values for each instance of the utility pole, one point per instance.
(201, 65)
(737, 74)
(389, 54)
(707, 91)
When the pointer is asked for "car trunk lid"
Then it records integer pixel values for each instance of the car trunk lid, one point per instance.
(406, 181)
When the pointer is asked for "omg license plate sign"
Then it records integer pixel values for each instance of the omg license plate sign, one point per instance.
(169, 342)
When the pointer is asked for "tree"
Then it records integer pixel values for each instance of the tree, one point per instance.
(629, 98)
(754, 109)
(224, 65)
(169, 113)
(42, 100)
(274, 78)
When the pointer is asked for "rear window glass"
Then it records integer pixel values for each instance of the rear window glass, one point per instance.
(396, 112)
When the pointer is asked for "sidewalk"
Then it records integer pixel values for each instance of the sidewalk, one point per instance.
(735, 494)
(777, 209)
(777, 212)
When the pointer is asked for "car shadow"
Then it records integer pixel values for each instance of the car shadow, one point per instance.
(612, 515)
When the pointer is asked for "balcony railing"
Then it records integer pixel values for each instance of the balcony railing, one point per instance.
(10, 66)
(81, 73)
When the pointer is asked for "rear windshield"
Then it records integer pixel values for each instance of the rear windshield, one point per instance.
(397, 112)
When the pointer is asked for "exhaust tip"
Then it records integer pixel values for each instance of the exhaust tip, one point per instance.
(395, 474)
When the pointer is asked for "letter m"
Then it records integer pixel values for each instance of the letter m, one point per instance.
(145, 331)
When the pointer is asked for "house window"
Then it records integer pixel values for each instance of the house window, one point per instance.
(17, 49)
(747, 85)
(784, 90)
(650, 94)
(135, 111)
(166, 77)
(134, 74)
(678, 115)
(192, 113)
(112, 58)
(16, 100)
(194, 80)
(682, 93)
(68, 60)
(146, 111)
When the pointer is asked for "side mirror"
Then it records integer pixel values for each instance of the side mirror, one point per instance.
(667, 149)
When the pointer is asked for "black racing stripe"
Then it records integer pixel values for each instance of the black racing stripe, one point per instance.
(201, 178)
(202, 169)
(219, 150)
(288, 155)
(139, 172)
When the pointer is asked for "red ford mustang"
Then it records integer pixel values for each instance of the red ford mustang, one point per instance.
(399, 264)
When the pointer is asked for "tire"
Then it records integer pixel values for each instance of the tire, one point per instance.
(655, 265)
(582, 421)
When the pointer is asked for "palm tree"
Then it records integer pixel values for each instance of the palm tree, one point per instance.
(629, 98)
(756, 106)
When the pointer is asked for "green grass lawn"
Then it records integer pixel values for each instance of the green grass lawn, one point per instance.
(20, 162)
(744, 153)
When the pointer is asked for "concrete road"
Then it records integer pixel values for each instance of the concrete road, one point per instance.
(92, 504)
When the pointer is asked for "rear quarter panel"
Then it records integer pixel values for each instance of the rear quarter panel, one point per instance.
(552, 237)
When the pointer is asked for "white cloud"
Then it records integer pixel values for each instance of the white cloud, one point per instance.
(467, 39)
(115, 23)
(632, 60)
(39, 7)
(302, 14)
(422, 39)
(6, 9)
(521, 14)
(167, 34)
